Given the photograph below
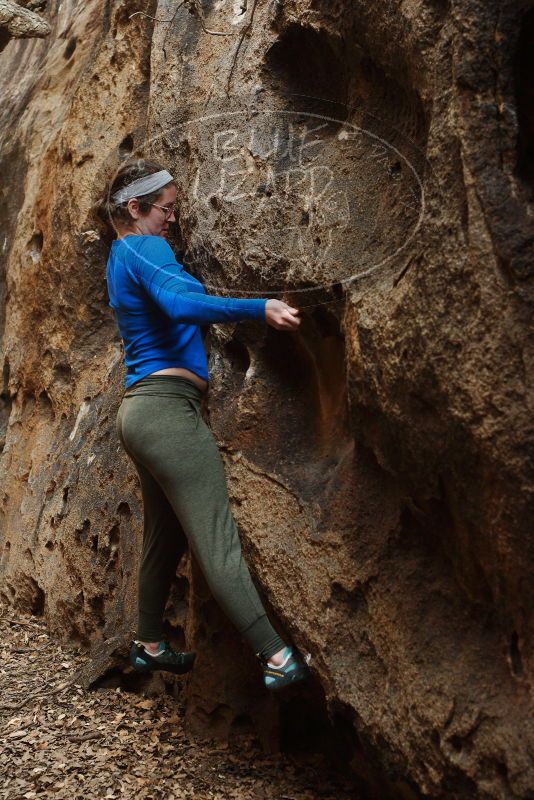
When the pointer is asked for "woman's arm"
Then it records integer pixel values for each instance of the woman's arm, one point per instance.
(158, 272)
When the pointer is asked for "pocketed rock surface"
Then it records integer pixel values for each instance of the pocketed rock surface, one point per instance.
(371, 164)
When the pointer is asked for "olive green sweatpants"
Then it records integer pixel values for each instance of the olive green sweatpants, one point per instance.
(185, 501)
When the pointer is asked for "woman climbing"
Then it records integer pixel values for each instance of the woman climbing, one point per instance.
(159, 308)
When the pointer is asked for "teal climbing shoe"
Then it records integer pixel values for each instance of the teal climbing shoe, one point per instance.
(168, 660)
(294, 668)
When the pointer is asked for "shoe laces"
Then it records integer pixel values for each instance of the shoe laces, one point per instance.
(171, 654)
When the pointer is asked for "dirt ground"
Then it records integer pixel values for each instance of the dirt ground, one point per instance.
(62, 741)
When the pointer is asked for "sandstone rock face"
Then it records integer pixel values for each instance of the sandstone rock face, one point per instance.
(372, 164)
(17, 20)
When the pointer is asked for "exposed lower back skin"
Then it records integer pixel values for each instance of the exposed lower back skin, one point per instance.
(185, 373)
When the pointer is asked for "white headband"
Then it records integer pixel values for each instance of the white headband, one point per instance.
(143, 186)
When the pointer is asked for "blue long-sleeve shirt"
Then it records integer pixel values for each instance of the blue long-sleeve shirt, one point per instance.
(159, 308)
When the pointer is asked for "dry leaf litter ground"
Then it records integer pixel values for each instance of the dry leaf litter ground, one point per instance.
(62, 741)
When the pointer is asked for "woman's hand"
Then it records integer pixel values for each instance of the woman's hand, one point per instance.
(281, 316)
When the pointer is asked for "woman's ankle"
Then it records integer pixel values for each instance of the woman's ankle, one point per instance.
(151, 647)
(279, 658)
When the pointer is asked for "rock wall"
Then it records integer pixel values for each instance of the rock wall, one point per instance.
(20, 21)
(378, 459)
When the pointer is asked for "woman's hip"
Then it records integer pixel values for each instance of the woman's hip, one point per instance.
(165, 430)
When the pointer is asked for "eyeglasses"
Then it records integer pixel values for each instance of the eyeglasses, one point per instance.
(169, 211)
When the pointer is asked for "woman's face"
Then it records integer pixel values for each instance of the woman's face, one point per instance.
(156, 222)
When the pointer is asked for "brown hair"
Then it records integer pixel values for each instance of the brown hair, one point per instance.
(106, 211)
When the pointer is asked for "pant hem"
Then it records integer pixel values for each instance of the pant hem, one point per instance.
(262, 637)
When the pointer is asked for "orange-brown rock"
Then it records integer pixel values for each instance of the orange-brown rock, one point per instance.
(373, 164)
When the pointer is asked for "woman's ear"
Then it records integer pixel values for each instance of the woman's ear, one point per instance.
(133, 208)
